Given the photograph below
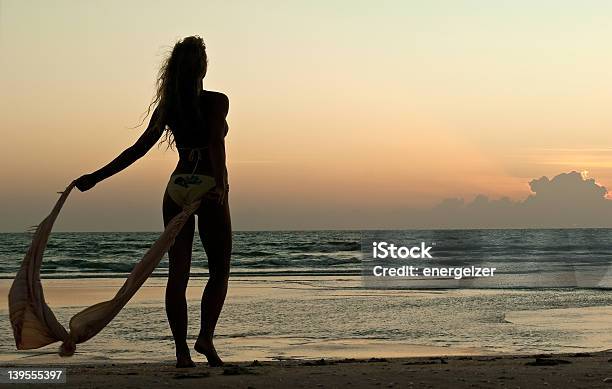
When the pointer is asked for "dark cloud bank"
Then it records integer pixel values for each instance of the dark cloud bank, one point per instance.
(566, 200)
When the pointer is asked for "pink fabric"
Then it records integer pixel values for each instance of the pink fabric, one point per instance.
(35, 325)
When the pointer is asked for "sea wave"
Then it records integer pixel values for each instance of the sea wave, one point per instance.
(317, 252)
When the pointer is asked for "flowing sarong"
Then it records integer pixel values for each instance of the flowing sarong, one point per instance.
(35, 325)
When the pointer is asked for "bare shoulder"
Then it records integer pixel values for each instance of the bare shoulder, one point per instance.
(217, 100)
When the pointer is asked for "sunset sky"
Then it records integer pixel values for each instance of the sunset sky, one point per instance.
(338, 109)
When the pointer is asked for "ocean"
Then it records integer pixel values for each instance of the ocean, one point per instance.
(302, 294)
(541, 254)
(87, 254)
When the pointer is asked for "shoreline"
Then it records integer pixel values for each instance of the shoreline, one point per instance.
(593, 370)
(330, 317)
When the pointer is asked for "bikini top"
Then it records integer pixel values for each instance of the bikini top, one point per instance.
(196, 154)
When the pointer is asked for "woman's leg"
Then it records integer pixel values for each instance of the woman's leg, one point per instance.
(179, 257)
(215, 228)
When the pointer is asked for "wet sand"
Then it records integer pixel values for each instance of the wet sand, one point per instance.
(299, 318)
(554, 371)
(140, 356)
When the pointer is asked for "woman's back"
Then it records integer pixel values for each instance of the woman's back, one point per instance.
(192, 135)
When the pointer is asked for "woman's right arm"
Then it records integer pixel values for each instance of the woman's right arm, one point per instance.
(150, 136)
(217, 145)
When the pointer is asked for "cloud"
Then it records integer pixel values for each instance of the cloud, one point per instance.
(566, 200)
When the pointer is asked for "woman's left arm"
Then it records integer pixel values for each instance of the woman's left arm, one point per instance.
(146, 141)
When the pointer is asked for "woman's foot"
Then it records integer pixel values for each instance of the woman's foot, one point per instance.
(184, 362)
(183, 359)
(206, 347)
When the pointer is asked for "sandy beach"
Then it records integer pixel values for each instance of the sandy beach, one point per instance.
(308, 318)
(307, 332)
(582, 370)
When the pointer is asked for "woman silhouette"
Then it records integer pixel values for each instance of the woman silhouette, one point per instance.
(194, 120)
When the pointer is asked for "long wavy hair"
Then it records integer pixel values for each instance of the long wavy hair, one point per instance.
(176, 94)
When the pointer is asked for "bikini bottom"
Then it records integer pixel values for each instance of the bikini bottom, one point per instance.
(184, 189)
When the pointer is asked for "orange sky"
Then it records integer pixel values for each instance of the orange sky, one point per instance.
(337, 107)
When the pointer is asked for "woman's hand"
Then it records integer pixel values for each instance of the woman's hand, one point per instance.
(218, 193)
(86, 182)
